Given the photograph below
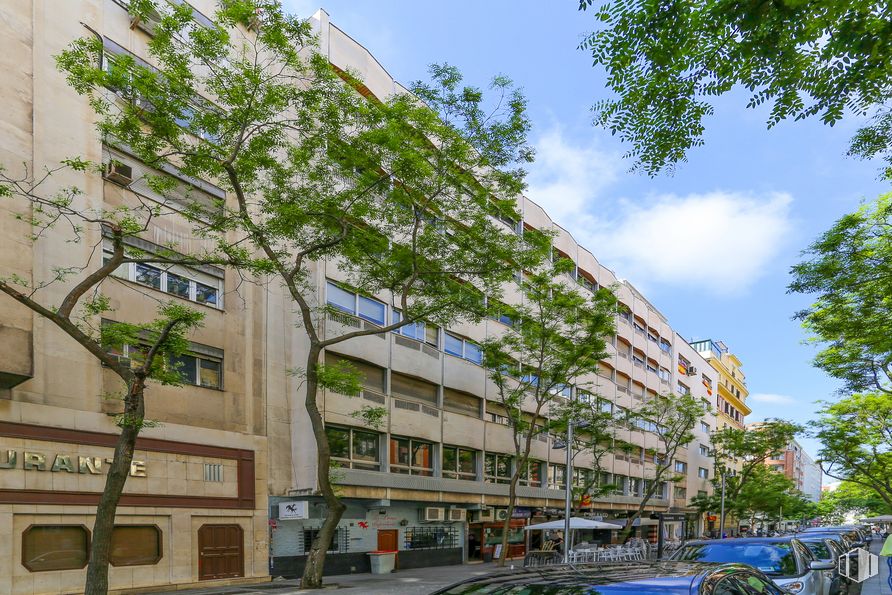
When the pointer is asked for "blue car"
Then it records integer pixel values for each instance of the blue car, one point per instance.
(629, 578)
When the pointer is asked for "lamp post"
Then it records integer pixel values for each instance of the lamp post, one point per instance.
(722, 513)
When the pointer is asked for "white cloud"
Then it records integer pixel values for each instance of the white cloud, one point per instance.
(772, 399)
(719, 241)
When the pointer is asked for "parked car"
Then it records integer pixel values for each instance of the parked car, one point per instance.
(638, 578)
(828, 550)
(854, 534)
(786, 560)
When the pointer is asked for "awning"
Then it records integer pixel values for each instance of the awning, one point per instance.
(575, 523)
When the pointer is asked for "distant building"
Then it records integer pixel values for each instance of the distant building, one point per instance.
(731, 391)
(800, 468)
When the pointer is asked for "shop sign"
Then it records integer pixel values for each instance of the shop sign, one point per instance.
(299, 509)
(36, 461)
(521, 513)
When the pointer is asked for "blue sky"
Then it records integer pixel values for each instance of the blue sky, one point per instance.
(711, 245)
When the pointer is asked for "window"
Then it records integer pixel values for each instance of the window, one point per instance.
(431, 538)
(679, 493)
(503, 313)
(411, 457)
(705, 427)
(188, 284)
(55, 547)
(199, 370)
(651, 336)
(403, 386)
(418, 330)
(459, 463)
(463, 348)
(135, 545)
(663, 373)
(704, 450)
(557, 476)
(358, 305)
(583, 477)
(635, 486)
(336, 540)
(665, 345)
(683, 389)
(702, 473)
(681, 467)
(460, 402)
(531, 474)
(496, 468)
(213, 472)
(370, 376)
(354, 449)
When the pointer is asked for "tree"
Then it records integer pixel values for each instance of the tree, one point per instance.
(849, 268)
(557, 337)
(740, 456)
(671, 418)
(403, 193)
(850, 500)
(594, 435)
(72, 299)
(856, 441)
(667, 60)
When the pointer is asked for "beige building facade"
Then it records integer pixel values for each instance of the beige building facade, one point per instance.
(231, 466)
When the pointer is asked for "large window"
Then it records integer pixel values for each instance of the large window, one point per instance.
(188, 284)
(679, 493)
(496, 468)
(55, 547)
(370, 376)
(135, 545)
(531, 474)
(702, 473)
(681, 467)
(199, 370)
(419, 330)
(338, 540)
(410, 456)
(460, 402)
(463, 348)
(557, 476)
(356, 449)
(431, 538)
(403, 386)
(359, 305)
(635, 486)
(459, 463)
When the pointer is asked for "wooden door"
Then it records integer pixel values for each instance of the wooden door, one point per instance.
(220, 552)
(387, 540)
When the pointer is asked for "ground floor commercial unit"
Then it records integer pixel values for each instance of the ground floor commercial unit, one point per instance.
(193, 512)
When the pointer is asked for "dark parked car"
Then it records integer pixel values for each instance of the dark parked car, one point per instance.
(853, 533)
(630, 578)
(786, 560)
(828, 550)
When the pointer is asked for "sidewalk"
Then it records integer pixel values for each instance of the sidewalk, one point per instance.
(418, 581)
(878, 585)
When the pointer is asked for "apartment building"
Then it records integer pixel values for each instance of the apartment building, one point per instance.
(730, 393)
(799, 467)
(231, 467)
(195, 505)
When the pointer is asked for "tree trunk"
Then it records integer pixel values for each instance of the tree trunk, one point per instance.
(103, 526)
(512, 498)
(312, 576)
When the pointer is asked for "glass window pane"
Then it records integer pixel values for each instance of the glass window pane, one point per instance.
(431, 335)
(449, 460)
(205, 294)
(372, 310)
(341, 298)
(148, 275)
(178, 285)
(503, 466)
(210, 373)
(399, 451)
(473, 353)
(365, 446)
(421, 455)
(489, 464)
(54, 547)
(185, 367)
(453, 345)
(467, 462)
(338, 442)
(135, 545)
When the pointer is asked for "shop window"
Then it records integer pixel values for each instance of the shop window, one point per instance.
(411, 457)
(354, 449)
(135, 545)
(459, 463)
(55, 547)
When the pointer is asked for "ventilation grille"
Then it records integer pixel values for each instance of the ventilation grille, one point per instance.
(213, 472)
(407, 405)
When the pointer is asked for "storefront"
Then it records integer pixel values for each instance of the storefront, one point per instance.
(188, 513)
(366, 526)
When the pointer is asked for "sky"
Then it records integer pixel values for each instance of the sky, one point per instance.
(710, 245)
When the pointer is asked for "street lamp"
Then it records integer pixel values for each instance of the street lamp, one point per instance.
(568, 479)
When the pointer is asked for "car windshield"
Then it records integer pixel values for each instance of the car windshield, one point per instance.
(620, 589)
(819, 549)
(776, 559)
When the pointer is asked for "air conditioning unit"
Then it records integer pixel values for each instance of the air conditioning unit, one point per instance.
(432, 514)
(119, 173)
(692, 371)
(501, 514)
(147, 23)
(457, 514)
(485, 515)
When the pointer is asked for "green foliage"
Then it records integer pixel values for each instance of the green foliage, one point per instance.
(849, 269)
(856, 441)
(667, 60)
(374, 417)
(850, 499)
(341, 377)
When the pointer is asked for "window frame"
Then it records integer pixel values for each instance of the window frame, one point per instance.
(465, 342)
(87, 542)
(495, 478)
(357, 301)
(457, 473)
(420, 327)
(158, 532)
(411, 468)
(702, 473)
(352, 461)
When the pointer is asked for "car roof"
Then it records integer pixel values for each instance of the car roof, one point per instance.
(663, 573)
(832, 528)
(736, 540)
